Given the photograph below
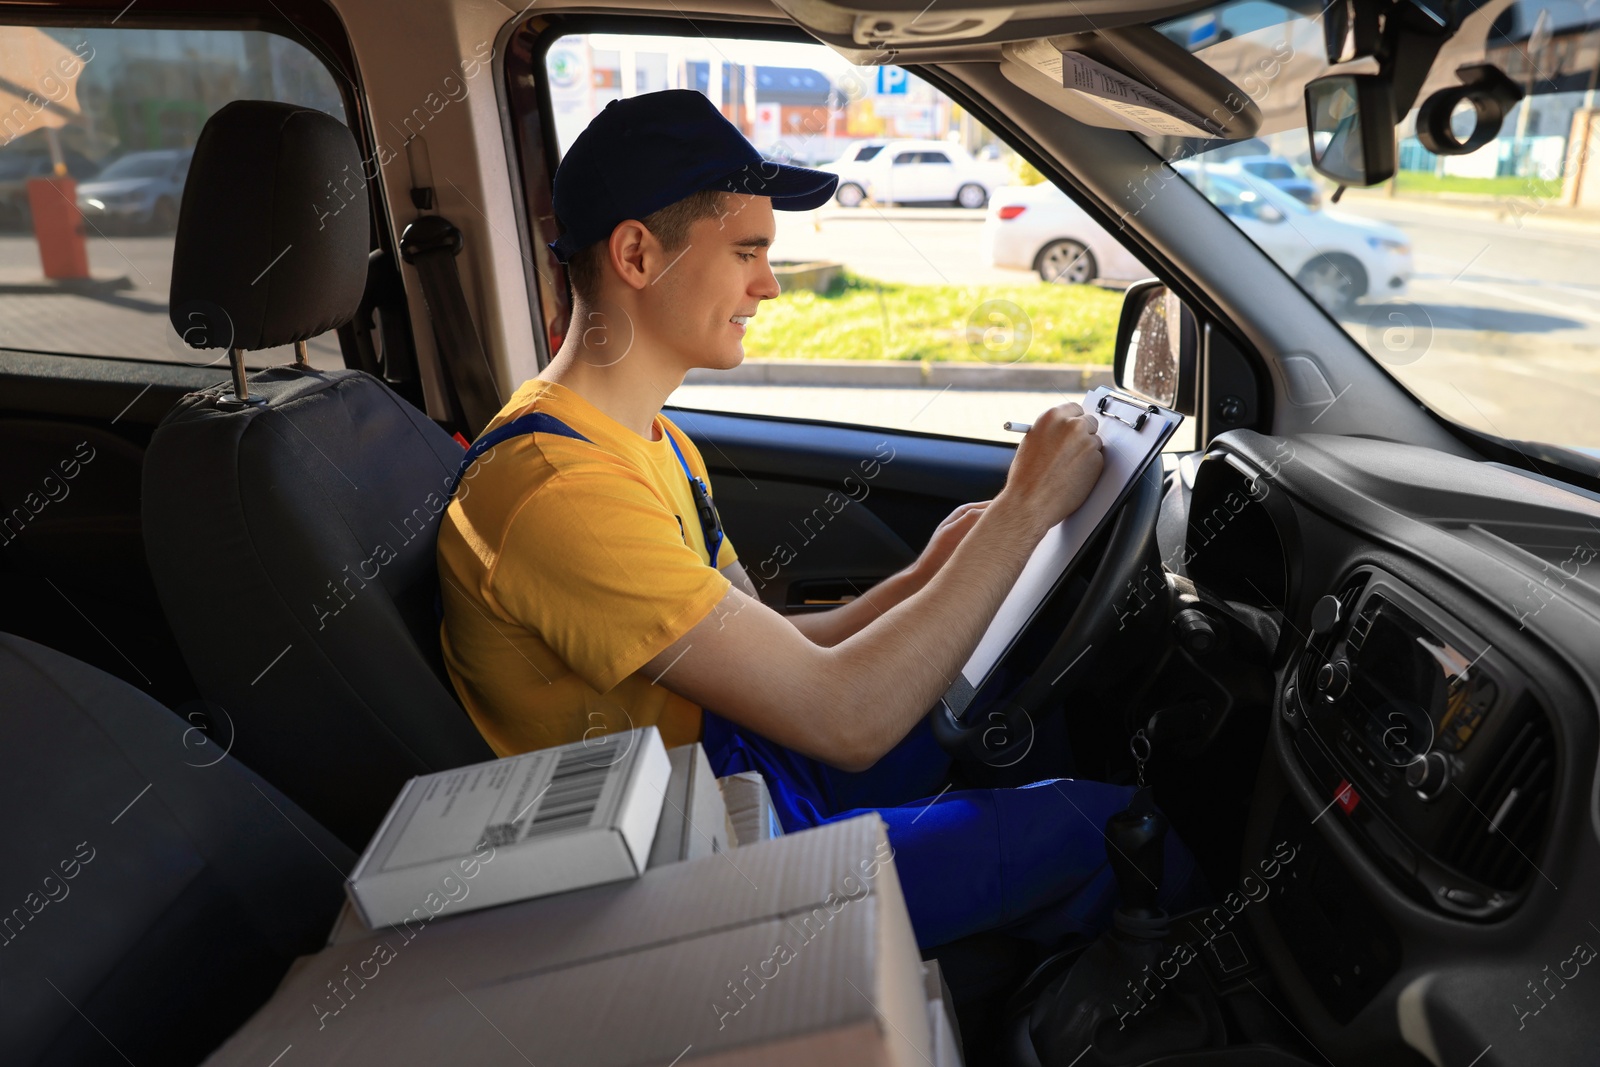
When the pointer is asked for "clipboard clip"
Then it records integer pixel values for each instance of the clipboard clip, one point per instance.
(1137, 422)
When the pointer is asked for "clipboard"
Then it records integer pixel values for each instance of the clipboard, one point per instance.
(1133, 433)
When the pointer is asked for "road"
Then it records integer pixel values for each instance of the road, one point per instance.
(914, 246)
(1501, 328)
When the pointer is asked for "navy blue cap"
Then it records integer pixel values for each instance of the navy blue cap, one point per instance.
(645, 152)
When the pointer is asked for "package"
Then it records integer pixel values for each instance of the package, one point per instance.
(694, 823)
(942, 1023)
(526, 826)
(694, 820)
(796, 950)
(750, 808)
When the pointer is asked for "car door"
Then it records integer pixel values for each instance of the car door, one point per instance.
(904, 175)
(936, 175)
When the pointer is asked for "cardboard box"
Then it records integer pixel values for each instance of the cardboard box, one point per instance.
(791, 951)
(510, 829)
(750, 808)
(694, 819)
(947, 1051)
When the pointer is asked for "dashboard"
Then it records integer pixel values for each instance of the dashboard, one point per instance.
(1431, 760)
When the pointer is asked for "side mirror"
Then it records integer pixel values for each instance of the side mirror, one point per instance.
(1158, 344)
(1351, 121)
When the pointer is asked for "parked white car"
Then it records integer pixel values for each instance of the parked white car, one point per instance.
(1036, 227)
(905, 172)
(1336, 257)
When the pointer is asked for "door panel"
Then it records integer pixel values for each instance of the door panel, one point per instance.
(819, 511)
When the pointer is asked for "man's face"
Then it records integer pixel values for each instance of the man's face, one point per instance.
(714, 284)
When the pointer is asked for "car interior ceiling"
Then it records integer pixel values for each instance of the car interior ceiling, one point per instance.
(137, 573)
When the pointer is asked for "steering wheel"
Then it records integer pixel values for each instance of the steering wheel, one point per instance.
(986, 732)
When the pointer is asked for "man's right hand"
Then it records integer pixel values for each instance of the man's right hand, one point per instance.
(1056, 466)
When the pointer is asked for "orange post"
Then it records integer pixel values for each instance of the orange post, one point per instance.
(58, 226)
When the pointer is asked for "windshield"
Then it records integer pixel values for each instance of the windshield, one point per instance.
(140, 165)
(1471, 278)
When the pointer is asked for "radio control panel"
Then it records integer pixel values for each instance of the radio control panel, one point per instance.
(1427, 741)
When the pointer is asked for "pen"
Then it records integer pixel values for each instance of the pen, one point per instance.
(1018, 427)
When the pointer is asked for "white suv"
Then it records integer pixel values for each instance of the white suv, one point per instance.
(899, 172)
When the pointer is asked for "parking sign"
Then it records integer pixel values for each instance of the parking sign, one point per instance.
(892, 81)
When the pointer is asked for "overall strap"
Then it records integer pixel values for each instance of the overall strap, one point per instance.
(710, 521)
(534, 422)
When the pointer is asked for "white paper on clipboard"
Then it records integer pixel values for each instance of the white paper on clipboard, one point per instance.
(1128, 451)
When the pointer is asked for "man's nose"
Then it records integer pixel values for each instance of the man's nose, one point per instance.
(766, 285)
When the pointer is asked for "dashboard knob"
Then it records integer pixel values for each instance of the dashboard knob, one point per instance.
(1325, 616)
(1333, 679)
(1429, 775)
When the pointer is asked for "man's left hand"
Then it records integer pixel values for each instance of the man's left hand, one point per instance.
(945, 539)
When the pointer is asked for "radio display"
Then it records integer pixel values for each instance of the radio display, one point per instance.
(1411, 692)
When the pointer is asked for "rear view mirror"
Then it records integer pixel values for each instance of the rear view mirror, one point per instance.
(1157, 347)
(1351, 121)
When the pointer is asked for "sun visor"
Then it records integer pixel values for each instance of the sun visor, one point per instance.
(1135, 79)
(878, 32)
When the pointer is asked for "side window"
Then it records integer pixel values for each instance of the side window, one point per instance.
(97, 127)
(929, 298)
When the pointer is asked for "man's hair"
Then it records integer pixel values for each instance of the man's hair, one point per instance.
(670, 225)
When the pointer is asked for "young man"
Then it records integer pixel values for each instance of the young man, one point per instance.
(587, 586)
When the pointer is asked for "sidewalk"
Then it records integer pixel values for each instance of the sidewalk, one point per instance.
(1525, 211)
(907, 374)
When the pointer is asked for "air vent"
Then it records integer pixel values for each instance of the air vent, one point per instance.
(1320, 646)
(1495, 838)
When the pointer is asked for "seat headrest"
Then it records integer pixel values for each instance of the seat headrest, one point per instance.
(273, 233)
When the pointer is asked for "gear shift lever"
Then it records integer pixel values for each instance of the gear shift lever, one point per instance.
(1135, 844)
(1116, 998)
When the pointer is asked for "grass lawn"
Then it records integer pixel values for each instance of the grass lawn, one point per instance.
(863, 319)
(1413, 181)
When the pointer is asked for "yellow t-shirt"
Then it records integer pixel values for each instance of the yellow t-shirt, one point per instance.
(564, 567)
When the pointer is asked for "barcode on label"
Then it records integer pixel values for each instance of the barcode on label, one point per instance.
(572, 796)
(501, 834)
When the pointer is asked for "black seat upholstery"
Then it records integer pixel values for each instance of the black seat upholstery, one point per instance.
(291, 537)
(153, 890)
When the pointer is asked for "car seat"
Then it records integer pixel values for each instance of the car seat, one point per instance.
(290, 530)
(154, 889)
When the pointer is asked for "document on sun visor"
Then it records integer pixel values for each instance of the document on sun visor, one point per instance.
(1133, 102)
(1132, 433)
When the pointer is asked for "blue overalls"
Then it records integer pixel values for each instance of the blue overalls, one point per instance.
(1028, 861)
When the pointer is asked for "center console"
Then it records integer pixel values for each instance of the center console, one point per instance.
(1427, 741)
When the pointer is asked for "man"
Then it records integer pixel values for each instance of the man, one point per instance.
(587, 586)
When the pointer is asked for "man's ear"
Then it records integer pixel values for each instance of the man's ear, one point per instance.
(630, 249)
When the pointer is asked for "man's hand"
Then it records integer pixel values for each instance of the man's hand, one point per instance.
(945, 538)
(1055, 468)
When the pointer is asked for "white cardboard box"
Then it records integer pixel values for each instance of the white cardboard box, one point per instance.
(795, 951)
(525, 826)
(694, 819)
(750, 808)
(941, 1017)
(694, 823)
